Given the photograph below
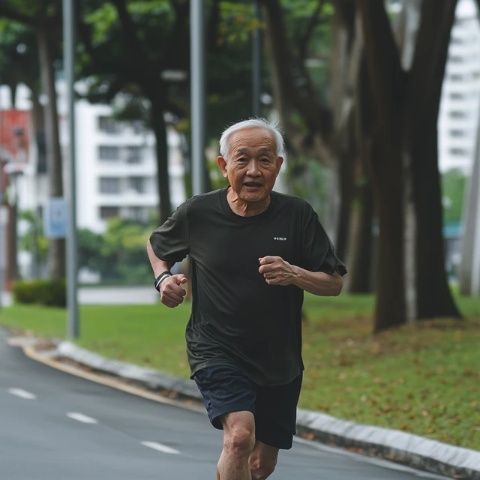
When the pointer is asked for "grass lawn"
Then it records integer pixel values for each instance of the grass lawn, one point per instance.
(422, 378)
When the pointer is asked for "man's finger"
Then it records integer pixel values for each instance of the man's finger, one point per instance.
(176, 296)
(268, 259)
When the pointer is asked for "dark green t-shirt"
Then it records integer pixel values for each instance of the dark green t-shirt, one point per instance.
(236, 317)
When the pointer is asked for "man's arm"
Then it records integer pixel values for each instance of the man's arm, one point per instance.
(277, 271)
(171, 290)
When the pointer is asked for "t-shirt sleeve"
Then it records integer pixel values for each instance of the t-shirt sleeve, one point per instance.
(318, 252)
(170, 241)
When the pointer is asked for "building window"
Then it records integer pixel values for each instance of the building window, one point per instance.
(457, 96)
(137, 184)
(456, 77)
(135, 214)
(134, 154)
(458, 152)
(457, 114)
(138, 127)
(109, 185)
(109, 212)
(457, 133)
(455, 59)
(108, 153)
(109, 125)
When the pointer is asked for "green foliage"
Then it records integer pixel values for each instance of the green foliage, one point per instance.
(216, 177)
(101, 21)
(237, 22)
(51, 293)
(18, 54)
(453, 190)
(308, 179)
(119, 254)
(33, 240)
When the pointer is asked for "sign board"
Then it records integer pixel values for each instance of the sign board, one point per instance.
(55, 218)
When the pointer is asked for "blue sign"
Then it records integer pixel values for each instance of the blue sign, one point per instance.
(55, 218)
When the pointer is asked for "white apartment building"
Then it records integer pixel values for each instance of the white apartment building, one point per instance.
(115, 165)
(460, 103)
(116, 168)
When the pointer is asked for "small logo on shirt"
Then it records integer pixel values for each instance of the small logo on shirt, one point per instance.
(280, 239)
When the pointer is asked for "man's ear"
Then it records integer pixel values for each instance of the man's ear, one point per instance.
(222, 165)
(279, 162)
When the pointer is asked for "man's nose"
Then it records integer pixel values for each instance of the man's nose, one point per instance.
(253, 169)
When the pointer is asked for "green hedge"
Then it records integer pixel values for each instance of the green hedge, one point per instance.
(43, 292)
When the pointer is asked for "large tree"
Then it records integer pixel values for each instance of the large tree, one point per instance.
(129, 47)
(406, 105)
(137, 49)
(43, 18)
(392, 135)
(325, 119)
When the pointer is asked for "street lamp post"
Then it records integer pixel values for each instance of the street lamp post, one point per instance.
(256, 63)
(71, 259)
(197, 91)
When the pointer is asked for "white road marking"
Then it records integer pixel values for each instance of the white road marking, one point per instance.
(22, 393)
(161, 448)
(80, 417)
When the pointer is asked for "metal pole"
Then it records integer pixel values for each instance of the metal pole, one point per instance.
(256, 63)
(2, 251)
(71, 259)
(197, 91)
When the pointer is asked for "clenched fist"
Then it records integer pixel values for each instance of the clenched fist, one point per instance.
(276, 271)
(171, 291)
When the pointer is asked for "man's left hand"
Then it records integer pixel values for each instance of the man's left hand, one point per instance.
(276, 271)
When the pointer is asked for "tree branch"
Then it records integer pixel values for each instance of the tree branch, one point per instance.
(430, 57)
(129, 31)
(14, 15)
(382, 54)
(293, 91)
(312, 25)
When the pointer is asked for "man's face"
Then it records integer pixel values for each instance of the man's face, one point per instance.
(252, 165)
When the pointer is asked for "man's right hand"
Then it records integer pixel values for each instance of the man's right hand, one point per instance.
(171, 291)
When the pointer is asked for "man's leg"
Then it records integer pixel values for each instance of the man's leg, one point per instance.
(238, 444)
(262, 461)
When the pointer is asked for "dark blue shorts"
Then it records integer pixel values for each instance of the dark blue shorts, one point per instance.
(226, 390)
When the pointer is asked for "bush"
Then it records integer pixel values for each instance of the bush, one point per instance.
(44, 292)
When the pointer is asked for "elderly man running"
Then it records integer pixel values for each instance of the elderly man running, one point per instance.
(253, 252)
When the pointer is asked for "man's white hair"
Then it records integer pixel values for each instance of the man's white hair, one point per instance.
(253, 123)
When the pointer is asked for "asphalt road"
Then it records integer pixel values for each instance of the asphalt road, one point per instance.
(57, 426)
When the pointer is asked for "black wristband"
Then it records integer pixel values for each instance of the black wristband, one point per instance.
(158, 280)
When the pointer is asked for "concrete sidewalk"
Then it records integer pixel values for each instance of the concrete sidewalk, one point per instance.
(99, 295)
(393, 445)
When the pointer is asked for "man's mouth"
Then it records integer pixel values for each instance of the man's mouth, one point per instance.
(253, 184)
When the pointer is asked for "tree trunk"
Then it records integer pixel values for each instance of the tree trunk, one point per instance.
(360, 246)
(388, 191)
(361, 239)
(387, 90)
(12, 242)
(347, 186)
(433, 296)
(54, 158)
(161, 152)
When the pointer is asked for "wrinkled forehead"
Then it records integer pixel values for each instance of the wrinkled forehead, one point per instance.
(253, 138)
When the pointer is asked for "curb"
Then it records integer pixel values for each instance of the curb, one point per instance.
(393, 445)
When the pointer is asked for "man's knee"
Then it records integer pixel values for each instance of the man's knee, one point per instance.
(239, 440)
(239, 433)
